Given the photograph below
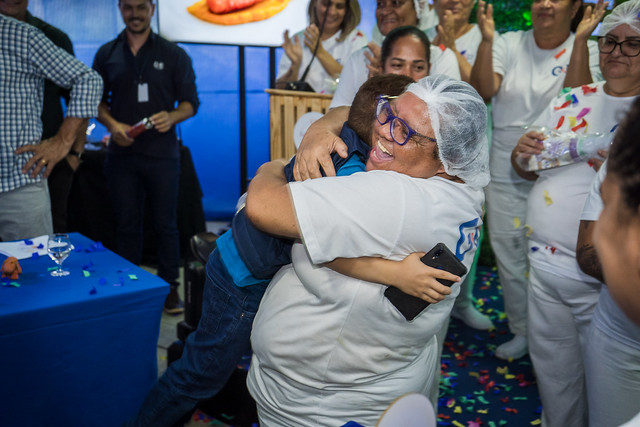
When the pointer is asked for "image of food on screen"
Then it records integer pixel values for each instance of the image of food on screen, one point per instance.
(236, 12)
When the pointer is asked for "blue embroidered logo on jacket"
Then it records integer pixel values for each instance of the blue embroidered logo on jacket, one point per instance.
(469, 236)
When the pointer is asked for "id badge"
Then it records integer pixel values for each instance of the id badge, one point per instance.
(143, 92)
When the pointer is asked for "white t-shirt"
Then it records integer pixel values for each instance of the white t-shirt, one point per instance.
(329, 348)
(608, 317)
(355, 72)
(593, 205)
(557, 198)
(317, 76)
(467, 44)
(532, 77)
(635, 422)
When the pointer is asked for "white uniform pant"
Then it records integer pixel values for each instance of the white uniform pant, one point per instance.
(507, 206)
(613, 379)
(434, 390)
(560, 311)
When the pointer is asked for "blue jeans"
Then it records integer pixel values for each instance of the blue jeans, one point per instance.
(133, 179)
(211, 352)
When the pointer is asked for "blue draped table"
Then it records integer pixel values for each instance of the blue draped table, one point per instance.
(78, 350)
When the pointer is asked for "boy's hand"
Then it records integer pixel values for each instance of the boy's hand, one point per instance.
(420, 280)
(315, 153)
(317, 145)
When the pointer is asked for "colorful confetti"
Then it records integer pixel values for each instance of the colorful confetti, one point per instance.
(475, 387)
(559, 54)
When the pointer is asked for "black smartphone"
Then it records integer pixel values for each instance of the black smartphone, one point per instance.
(438, 257)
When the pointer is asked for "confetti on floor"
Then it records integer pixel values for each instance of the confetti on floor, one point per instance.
(476, 388)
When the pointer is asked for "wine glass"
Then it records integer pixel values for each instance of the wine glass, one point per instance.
(58, 248)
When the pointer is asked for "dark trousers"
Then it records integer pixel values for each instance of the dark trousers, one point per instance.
(59, 187)
(137, 182)
(211, 352)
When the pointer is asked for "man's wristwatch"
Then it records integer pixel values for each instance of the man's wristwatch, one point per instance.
(78, 154)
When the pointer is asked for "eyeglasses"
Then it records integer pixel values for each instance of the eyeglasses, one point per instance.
(629, 48)
(401, 132)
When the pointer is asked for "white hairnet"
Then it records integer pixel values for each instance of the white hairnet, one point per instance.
(459, 118)
(626, 13)
(418, 6)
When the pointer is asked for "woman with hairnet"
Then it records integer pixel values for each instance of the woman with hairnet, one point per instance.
(612, 352)
(522, 71)
(561, 297)
(328, 348)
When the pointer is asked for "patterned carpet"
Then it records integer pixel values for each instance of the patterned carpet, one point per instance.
(476, 388)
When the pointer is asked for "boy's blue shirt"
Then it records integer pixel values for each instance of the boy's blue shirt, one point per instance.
(252, 256)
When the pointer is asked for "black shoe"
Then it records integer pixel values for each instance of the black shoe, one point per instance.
(173, 304)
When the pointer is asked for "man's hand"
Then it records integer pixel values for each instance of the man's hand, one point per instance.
(162, 121)
(118, 133)
(45, 156)
(73, 161)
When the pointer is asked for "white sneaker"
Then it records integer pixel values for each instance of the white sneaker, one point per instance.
(472, 317)
(514, 349)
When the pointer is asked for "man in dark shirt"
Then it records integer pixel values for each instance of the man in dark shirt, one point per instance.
(59, 181)
(145, 77)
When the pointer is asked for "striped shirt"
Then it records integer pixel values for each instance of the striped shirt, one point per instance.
(27, 58)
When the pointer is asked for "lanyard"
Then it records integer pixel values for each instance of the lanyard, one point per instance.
(138, 71)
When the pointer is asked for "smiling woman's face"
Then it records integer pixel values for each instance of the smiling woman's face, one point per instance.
(553, 15)
(335, 15)
(391, 14)
(408, 57)
(418, 157)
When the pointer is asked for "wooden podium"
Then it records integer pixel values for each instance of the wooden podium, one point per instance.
(286, 107)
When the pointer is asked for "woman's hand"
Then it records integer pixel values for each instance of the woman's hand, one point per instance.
(415, 278)
(596, 162)
(485, 21)
(528, 145)
(590, 20)
(374, 57)
(311, 37)
(293, 49)
(446, 32)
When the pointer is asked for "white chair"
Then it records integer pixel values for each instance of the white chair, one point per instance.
(409, 410)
